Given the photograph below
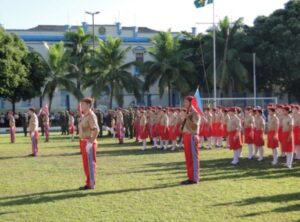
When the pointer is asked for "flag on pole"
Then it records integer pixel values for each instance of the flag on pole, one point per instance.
(198, 99)
(202, 3)
(46, 109)
(79, 109)
(195, 105)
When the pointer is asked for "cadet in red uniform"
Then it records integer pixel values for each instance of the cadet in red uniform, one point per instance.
(120, 125)
(259, 127)
(71, 125)
(33, 131)
(234, 128)
(88, 132)
(173, 128)
(279, 112)
(12, 127)
(249, 131)
(273, 126)
(191, 141)
(155, 134)
(143, 129)
(296, 130)
(46, 125)
(287, 136)
(164, 124)
(207, 131)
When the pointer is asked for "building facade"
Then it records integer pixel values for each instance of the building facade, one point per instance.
(137, 38)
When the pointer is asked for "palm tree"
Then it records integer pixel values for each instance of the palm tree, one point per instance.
(169, 66)
(58, 73)
(111, 72)
(79, 54)
(231, 55)
(193, 46)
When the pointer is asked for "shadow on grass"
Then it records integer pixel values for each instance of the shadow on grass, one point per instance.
(128, 152)
(281, 198)
(75, 145)
(220, 169)
(117, 145)
(60, 137)
(8, 212)
(40, 156)
(60, 154)
(45, 197)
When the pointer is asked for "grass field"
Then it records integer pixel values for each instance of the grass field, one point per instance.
(141, 186)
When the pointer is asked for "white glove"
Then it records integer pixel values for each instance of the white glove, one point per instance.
(32, 134)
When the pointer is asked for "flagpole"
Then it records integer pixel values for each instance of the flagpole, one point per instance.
(214, 48)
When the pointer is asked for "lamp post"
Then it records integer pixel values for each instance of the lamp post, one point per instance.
(254, 78)
(93, 21)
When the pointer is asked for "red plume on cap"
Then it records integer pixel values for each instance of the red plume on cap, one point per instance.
(87, 100)
(295, 106)
(32, 109)
(286, 107)
(189, 98)
(194, 104)
(232, 109)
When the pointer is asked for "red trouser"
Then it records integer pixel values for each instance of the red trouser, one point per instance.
(191, 143)
(34, 142)
(12, 131)
(46, 130)
(120, 132)
(89, 162)
(71, 129)
(272, 141)
(287, 146)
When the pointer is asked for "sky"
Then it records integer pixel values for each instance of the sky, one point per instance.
(177, 15)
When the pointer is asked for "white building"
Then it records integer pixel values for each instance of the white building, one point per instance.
(137, 38)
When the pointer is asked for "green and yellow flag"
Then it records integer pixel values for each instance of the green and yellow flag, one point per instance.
(202, 3)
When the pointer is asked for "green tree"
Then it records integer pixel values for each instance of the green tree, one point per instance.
(58, 73)
(168, 66)
(112, 72)
(35, 79)
(277, 45)
(232, 55)
(193, 48)
(79, 54)
(13, 71)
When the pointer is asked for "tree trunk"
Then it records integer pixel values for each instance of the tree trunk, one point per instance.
(13, 103)
(50, 103)
(169, 94)
(41, 101)
(289, 97)
(224, 60)
(111, 96)
(79, 89)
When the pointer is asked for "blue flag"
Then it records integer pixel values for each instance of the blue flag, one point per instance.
(198, 99)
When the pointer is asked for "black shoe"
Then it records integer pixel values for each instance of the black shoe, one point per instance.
(188, 182)
(84, 188)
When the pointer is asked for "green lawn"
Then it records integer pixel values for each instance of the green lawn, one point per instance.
(136, 186)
